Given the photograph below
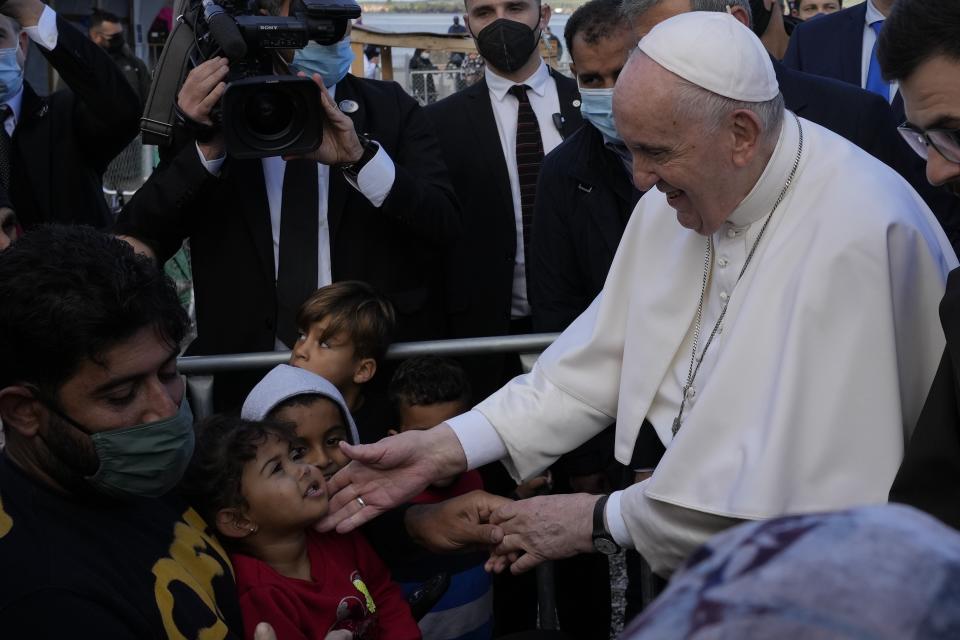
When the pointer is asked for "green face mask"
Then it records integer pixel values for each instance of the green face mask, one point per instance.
(146, 460)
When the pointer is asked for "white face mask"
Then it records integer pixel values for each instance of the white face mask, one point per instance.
(11, 75)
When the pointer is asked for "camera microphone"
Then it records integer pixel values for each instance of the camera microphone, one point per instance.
(224, 30)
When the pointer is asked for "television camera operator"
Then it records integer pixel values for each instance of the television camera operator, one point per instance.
(372, 202)
(54, 149)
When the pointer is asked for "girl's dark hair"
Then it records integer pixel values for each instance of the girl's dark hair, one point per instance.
(224, 445)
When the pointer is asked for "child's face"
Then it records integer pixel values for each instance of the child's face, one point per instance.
(282, 491)
(420, 417)
(332, 358)
(322, 426)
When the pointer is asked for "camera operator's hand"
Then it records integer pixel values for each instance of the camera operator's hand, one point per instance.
(199, 94)
(340, 141)
(26, 12)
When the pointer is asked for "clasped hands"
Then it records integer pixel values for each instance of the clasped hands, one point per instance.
(519, 535)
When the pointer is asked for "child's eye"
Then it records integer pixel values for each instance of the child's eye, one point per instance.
(277, 468)
(333, 441)
(296, 453)
(324, 345)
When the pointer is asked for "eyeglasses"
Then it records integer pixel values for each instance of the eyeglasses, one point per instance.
(945, 141)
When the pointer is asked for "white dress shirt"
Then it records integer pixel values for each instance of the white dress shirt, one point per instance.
(374, 181)
(545, 103)
(870, 39)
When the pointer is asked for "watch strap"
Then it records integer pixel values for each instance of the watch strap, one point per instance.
(370, 149)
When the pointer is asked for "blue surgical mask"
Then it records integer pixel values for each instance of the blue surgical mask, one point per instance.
(596, 106)
(11, 75)
(331, 61)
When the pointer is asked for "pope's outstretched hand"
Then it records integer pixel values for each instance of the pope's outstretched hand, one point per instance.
(388, 473)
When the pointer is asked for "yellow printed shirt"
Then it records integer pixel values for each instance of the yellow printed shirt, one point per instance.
(147, 568)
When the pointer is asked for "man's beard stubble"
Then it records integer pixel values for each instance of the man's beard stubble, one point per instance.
(67, 456)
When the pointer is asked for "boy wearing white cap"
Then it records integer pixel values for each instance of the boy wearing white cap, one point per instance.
(313, 404)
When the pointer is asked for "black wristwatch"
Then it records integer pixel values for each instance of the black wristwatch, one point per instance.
(370, 148)
(602, 540)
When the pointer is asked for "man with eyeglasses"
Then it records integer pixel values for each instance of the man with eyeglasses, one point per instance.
(919, 47)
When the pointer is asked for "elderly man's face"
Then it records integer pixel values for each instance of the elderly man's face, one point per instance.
(680, 156)
(931, 97)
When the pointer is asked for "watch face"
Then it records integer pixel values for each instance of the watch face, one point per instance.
(605, 546)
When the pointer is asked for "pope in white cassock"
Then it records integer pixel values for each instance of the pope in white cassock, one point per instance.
(781, 338)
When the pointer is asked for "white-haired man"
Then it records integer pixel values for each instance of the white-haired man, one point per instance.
(780, 339)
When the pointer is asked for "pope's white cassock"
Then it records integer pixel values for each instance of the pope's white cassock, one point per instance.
(809, 392)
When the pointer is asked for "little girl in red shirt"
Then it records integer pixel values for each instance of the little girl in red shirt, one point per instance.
(250, 481)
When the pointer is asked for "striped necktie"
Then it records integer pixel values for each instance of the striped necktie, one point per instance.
(529, 159)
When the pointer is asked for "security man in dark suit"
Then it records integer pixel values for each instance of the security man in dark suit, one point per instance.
(54, 149)
(265, 233)
(494, 135)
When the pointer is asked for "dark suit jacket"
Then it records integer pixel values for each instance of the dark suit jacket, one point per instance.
(479, 268)
(832, 46)
(584, 199)
(929, 477)
(63, 143)
(866, 119)
(396, 248)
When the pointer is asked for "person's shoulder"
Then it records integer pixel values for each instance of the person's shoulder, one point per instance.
(377, 90)
(575, 148)
(453, 104)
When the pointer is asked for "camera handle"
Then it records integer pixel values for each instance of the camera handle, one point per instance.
(159, 115)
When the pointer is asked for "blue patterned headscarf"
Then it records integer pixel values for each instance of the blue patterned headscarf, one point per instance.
(880, 572)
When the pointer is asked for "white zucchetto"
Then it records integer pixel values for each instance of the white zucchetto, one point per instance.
(714, 51)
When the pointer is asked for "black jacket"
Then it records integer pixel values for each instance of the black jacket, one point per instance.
(396, 248)
(584, 199)
(929, 477)
(63, 142)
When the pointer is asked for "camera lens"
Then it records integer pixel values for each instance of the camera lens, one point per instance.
(269, 114)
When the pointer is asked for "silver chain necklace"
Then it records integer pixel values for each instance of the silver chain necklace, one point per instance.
(707, 269)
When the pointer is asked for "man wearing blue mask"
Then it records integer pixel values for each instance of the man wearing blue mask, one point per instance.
(54, 149)
(372, 203)
(98, 432)
(584, 199)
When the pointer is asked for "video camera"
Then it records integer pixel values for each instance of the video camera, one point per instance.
(261, 114)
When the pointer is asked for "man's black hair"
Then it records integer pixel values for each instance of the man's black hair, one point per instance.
(596, 20)
(427, 380)
(98, 17)
(914, 32)
(69, 294)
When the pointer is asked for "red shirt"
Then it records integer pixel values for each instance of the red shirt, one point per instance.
(351, 589)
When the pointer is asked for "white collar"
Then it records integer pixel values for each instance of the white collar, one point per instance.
(759, 201)
(499, 86)
(15, 104)
(873, 14)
